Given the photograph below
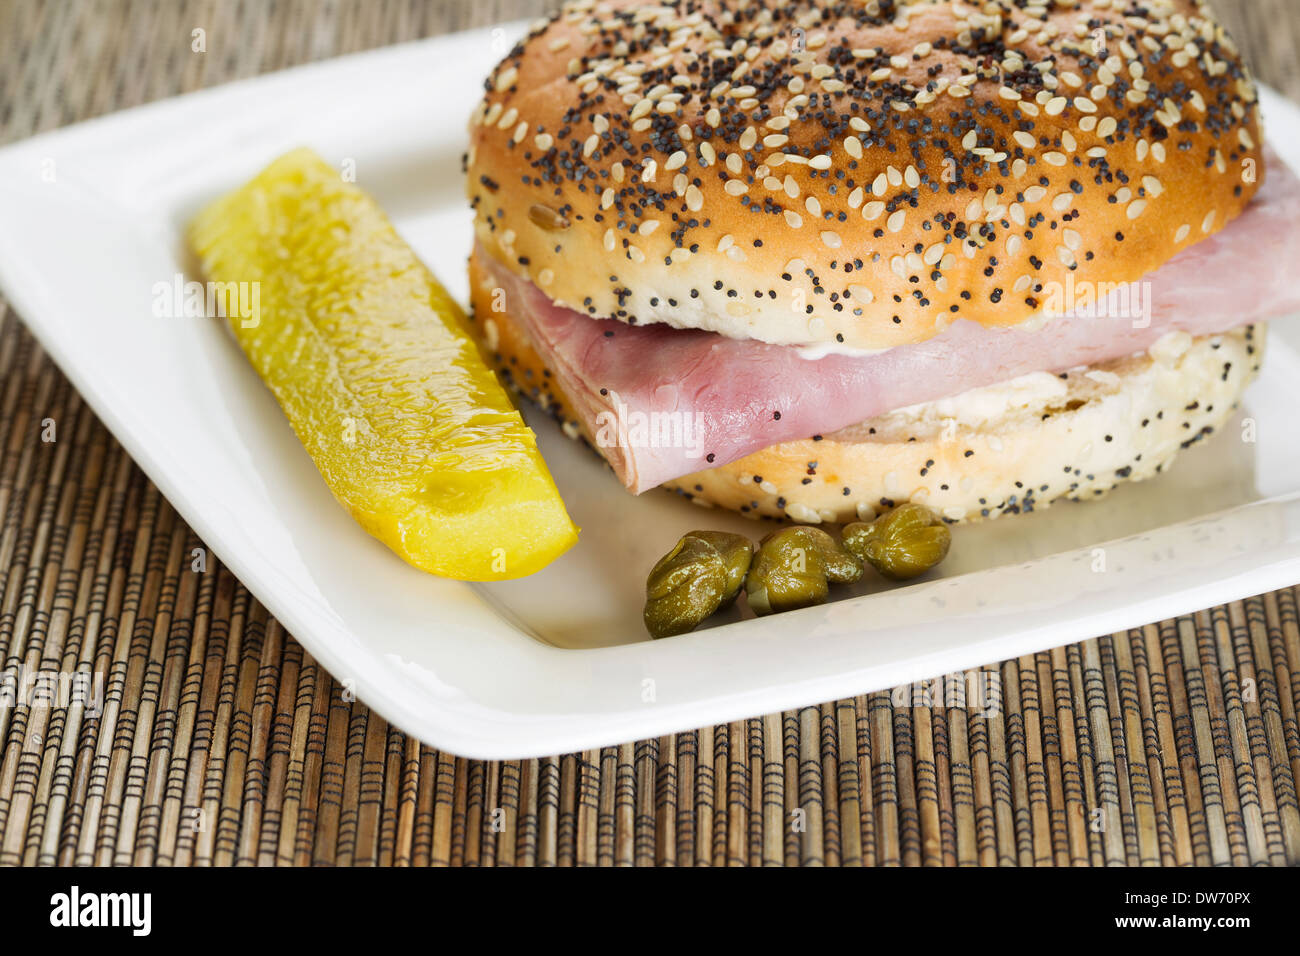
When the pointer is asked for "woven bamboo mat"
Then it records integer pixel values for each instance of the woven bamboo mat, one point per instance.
(221, 741)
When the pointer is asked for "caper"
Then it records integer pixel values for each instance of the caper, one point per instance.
(736, 551)
(902, 543)
(794, 567)
(704, 572)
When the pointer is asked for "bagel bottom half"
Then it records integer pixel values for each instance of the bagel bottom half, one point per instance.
(1005, 449)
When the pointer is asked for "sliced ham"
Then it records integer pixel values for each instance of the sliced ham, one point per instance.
(664, 402)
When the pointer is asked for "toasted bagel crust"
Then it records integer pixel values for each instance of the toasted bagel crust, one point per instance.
(1089, 430)
(681, 163)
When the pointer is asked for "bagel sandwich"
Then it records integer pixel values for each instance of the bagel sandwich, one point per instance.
(812, 260)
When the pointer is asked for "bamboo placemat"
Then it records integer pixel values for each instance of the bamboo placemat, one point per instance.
(221, 741)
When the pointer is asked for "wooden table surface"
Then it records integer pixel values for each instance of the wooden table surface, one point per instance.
(223, 742)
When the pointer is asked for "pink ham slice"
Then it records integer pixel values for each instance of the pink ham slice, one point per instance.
(689, 400)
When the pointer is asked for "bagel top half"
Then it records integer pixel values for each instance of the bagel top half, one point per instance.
(856, 174)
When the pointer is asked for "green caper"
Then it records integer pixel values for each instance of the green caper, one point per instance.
(736, 552)
(794, 567)
(902, 543)
(704, 572)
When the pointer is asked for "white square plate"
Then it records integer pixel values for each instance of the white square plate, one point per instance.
(91, 219)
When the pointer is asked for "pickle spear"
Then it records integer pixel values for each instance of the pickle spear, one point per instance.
(369, 358)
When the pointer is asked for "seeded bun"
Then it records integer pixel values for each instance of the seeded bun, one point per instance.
(1000, 450)
(679, 163)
